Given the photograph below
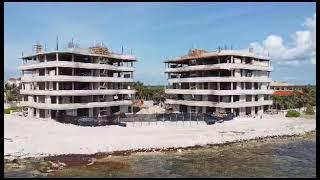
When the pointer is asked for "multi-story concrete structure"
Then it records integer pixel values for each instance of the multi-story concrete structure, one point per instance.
(219, 81)
(89, 82)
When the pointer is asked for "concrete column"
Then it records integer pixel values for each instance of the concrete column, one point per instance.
(57, 99)
(49, 113)
(48, 100)
(50, 85)
(260, 97)
(30, 112)
(57, 71)
(188, 109)
(204, 97)
(252, 86)
(90, 112)
(204, 109)
(260, 110)
(72, 57)
(57, 86)
(45, 58)
(197, 109)
(242, 98)
(231, 59)
(57, 57)
(30, 99)
(218, 85)
(38, 113)
(242, 111)
(231, 98)
(231, 85)
(238, 86)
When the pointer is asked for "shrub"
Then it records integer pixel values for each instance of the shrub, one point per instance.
(309, 110)
(7, 111)
(15, 109)
(292, 113)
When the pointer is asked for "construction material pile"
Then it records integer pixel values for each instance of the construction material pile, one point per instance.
(99, 50)
(152, 110)
(196, 52)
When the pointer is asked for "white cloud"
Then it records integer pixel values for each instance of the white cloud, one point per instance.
(303, 49)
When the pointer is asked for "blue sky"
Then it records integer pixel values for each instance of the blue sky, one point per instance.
(157, 31)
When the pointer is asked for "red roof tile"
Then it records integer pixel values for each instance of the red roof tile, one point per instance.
(284, 93)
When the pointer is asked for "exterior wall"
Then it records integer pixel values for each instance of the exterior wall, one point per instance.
(244, 68)
(45, 83)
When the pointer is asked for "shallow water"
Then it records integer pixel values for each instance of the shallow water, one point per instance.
(289, 157)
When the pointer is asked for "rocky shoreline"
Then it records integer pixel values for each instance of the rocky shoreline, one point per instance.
(44, 166)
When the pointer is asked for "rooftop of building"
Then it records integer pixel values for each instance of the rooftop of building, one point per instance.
(14, 79)
(285, 84)
(97, 50)
(285, 93)
(203, 54)
(277, 83)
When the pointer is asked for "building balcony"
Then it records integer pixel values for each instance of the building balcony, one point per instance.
(68, 64)
(216, 92)
(62, 78)
(237, 104)
(77, 92)
(220, 79)
(75, 105)
(226, 66)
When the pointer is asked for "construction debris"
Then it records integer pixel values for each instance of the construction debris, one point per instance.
(99, 49)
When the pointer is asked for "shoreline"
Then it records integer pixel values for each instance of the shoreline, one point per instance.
(109, 163)
(85, 157)
(25, 137)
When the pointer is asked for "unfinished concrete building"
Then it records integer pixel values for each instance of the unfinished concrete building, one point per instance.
(92, 82)
(219, 81)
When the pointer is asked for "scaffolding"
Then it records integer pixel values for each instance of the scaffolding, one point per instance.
(37, 48)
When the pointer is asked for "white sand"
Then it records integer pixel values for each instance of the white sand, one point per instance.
(25, 137)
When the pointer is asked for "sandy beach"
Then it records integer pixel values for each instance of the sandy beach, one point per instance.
(32, 137)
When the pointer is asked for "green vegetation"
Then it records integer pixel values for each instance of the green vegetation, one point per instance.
(155, 93)
(309, 110)
(12, 92)
(292, 113)
(297, 100)
(15, 109)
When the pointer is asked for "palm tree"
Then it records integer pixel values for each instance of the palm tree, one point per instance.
(306, 95)
(12, 92)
